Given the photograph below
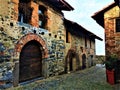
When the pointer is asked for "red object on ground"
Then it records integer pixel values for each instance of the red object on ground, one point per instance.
(110, 77)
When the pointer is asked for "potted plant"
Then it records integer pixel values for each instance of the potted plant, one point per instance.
(110, 68)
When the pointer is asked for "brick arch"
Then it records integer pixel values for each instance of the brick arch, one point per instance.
(29, 37)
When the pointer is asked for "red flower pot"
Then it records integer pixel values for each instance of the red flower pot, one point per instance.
(110, 77)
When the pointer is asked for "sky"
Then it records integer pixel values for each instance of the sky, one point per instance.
(84, 9)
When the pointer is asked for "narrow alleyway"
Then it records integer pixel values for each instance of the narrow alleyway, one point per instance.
(89, 79)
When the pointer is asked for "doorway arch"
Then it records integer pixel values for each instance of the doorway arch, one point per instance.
(25, 39)
(30, 64)
(72, 62)
(19, 47)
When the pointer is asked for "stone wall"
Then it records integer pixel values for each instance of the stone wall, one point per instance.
(79, 44)
(3, 7)
(111, 36)
(75, 51)
(100, 59)
(14, 35)
(54, 61)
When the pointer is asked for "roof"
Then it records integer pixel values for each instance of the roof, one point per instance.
(99, 16)
(78, 30)
(60, 4)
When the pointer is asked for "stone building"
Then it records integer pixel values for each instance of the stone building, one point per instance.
(80, 46)
(37, 42)
(109, 19)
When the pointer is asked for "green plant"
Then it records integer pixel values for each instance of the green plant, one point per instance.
(111, 62)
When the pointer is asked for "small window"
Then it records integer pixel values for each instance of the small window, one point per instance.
(25, 11)
(42, 16)
(23, 18)
(118, 25)
(68, 37)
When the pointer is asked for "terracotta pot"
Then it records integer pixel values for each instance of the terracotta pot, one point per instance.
(110, 76)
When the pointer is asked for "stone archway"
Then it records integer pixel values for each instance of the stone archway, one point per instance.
(20, 44)
(72, 62)
(23, 42)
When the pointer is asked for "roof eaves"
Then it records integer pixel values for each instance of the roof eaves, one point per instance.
(60, 4)
(104, 9)
(90, 33)
(67, 5)
(99, 16)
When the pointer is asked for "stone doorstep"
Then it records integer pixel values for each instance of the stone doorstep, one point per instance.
(32, 80)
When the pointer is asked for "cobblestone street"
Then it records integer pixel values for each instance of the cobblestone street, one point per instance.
(89, 79)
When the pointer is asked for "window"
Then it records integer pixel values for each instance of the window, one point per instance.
(25, 11)
(118, 25)
(68, 37)
(42, 16)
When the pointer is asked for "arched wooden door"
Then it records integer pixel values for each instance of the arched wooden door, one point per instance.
(30, 61)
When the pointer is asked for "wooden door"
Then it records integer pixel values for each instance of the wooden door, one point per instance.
(30, 61)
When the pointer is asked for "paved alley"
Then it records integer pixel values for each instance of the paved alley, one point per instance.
(89, 79)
